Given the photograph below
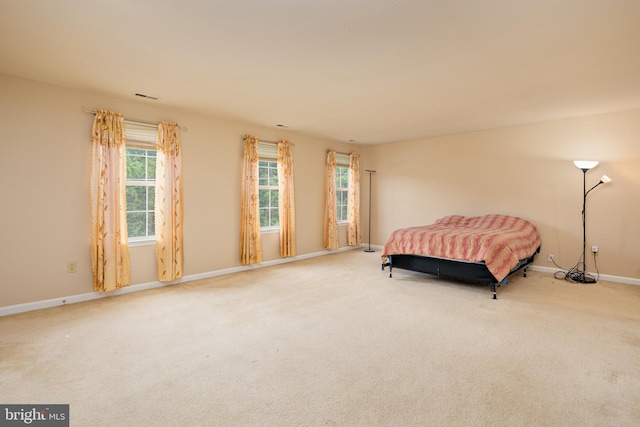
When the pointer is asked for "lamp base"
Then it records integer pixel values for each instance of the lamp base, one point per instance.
(369, 250)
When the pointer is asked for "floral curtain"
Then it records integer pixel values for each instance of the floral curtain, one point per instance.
(169, 208)
(330, 212)
(108, 203)
(250, 238)
(286, 200)
(353, 214)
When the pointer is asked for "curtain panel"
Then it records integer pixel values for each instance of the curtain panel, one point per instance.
(330, 212)
(169, 204)
(353, 213)
(108, 223)
(250, 238)
(286, 200)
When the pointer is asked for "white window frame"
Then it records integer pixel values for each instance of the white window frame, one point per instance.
(343, 164)
(344, 192)
(268, 152)
(142, 136)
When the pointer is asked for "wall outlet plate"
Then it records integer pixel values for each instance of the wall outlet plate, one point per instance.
(72, 267)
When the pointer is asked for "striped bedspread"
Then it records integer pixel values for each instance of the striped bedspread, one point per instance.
(500, 241)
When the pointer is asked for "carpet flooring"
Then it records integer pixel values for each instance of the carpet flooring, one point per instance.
(333, 341)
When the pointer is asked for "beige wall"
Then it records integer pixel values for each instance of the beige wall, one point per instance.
(526, 171)
(44, 170)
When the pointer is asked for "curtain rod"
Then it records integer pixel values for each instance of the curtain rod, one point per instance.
(134, 121)
(268, 142)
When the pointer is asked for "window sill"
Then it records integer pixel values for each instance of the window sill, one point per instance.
(142, 242)
(270, 230)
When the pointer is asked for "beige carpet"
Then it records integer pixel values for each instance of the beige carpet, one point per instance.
(334, 341)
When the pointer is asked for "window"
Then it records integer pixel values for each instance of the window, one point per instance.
(342, 192)
(268, 193)
(141, 180)
(342, 187)
(141, 191)
(268, 185)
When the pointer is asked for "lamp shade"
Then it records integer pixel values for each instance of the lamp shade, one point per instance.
(585, 164)
(605, 179)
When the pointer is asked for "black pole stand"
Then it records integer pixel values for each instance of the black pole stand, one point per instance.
(370, 173)
(582, 276)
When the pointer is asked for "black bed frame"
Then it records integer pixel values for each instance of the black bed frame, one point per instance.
(473, 272)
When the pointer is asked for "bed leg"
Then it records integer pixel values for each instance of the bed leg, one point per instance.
(387, 264)
(525, 272)
(493, 289)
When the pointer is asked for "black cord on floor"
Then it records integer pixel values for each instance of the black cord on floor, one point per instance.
(577, 273)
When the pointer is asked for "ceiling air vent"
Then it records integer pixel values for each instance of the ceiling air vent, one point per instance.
(142, 95)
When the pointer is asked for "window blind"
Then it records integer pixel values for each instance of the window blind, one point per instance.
(267, 150)
(140, 132)
(342, 159)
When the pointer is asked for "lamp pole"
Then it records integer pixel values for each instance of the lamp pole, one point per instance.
(371, 172)
(582, 276)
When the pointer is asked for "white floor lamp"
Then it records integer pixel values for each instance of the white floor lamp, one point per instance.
(371, 172)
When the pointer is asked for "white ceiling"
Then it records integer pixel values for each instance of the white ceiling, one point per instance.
(371, 71)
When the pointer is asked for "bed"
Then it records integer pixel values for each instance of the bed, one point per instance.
(484, 249)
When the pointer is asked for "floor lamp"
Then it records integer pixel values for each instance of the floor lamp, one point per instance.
(371, 172)
(578, 274)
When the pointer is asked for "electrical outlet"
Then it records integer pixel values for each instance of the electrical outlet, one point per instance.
(72, 267)
(594, 249)
(550, 258)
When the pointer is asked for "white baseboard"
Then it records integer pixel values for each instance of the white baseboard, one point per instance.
(605, 277)
(55, 302)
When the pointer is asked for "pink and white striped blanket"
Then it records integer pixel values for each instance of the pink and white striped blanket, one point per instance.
(501, 241)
